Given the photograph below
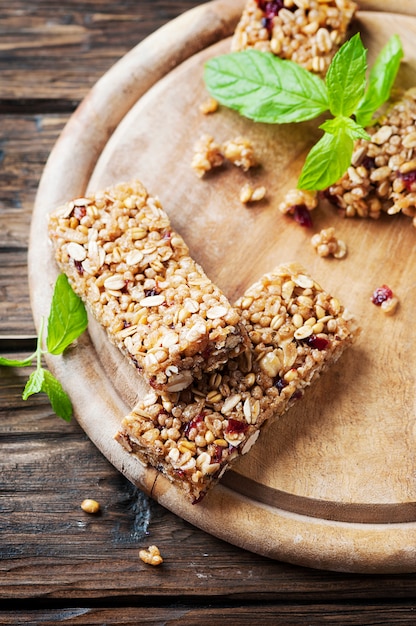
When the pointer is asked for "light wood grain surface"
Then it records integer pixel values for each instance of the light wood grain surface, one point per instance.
(57, 563)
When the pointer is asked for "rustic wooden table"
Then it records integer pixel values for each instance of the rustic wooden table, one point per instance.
(57, 563)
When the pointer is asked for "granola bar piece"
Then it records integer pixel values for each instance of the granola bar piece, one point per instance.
(296, 330)
(308, 32)
(136, 277)
(382, 175)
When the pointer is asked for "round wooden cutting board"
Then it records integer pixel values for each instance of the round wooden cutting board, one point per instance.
(332, 484)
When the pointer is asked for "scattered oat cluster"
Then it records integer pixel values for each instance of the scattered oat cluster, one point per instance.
(209, 154)
(151, 556)
(308, 32)
(326, 244)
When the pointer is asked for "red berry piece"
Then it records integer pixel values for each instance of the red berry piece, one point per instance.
(235, 427)
(381, 294)
(302, 215)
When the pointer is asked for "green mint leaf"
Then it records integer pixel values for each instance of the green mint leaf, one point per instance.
(265, 88)
(327, 161)
(41, 380)
(67, 318)
(34, 384)
(15, 362)
(347, 125)
(59, 399)
(380, 82)
(346, 77)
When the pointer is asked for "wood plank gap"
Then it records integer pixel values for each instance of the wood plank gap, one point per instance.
(35, 106)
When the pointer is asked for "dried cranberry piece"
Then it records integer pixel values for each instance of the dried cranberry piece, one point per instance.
(266, 22)
(271, 7)
(279, 383)
(235, 427)
(151, 292)
(332, 198)
(217, 456)
(381, 294)
(192, 424)
(199, 498)
(319, 343)
(369, 163)
(79, 212)
(409, 179)
(297, 395)
(302, 215)
(78, 267)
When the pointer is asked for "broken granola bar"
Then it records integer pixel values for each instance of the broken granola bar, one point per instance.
(382, 175)
(296, 330)
(308, 32)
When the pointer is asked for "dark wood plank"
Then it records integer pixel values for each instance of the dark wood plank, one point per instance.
(290, 615)
(55, 51)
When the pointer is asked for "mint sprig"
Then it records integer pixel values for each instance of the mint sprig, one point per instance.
(66, 322)
(265, 88)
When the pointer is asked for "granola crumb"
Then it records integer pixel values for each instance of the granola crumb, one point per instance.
(240, 152)
(248, 193)
(151, 556)
(298, 197)
(209, 106)
(326, 244)
(207, 155)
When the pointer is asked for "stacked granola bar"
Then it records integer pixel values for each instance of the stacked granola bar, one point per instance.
(134, 273)
(308, 32)
(296, 330)
(218, 372)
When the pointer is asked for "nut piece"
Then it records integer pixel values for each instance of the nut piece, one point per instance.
(248, 193)
(326, 244)
(209, 106)
(151, 556)
(90, 506)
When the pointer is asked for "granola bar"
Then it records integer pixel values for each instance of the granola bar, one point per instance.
(135, 275)
(296, 330)
(308, 32)
(382, 175)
